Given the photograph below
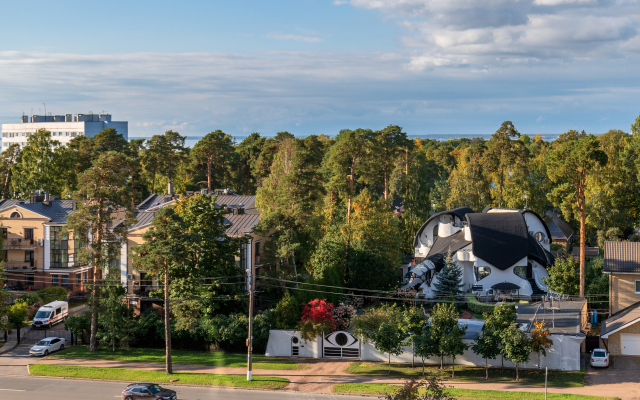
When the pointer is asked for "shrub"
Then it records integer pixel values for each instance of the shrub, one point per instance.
(17, 314)
(30, 299)
(54, 293)
(317, 317)
(287, 312)
(79, 325)
(477, 307)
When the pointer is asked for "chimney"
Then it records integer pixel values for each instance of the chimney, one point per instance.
(170, 189)
(46, 201)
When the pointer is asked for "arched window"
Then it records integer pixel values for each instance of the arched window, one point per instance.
(15, 214)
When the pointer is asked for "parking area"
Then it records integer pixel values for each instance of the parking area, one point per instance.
(622, 370)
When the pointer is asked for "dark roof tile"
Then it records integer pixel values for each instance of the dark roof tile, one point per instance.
(622, 257)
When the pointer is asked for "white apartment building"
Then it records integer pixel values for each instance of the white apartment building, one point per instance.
(63, 128)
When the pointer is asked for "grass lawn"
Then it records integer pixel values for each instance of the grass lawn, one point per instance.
(215, 359)
(136, 375)
(464, 394)
(471, 374)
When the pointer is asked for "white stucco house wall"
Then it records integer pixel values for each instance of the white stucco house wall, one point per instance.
(498, 250)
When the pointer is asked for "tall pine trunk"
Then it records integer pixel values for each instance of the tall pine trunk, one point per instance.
(581, 206)
(209, 161)
(93, 340)
(167, 322)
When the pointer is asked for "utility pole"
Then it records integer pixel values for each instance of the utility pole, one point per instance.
(250, 339)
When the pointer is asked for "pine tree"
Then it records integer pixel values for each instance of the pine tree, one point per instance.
(449, 278)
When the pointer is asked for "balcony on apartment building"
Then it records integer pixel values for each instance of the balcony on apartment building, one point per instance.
(16, 266)
(20, 243)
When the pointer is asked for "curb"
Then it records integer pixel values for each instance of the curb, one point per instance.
(10, 345)
(195, 386)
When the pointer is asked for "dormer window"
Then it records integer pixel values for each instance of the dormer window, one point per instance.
(15, 214)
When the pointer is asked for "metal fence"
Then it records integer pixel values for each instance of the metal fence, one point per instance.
(33, 335)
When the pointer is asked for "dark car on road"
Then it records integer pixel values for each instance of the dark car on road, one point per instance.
(136, 391)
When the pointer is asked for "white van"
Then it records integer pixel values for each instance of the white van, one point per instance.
(50, 314)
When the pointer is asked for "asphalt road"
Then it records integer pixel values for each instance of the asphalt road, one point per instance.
(23, 388)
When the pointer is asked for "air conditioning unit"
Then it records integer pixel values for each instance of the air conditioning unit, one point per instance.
(130, 277)
(40, 242)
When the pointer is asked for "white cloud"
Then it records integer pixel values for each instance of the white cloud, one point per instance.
(499, 32)
(297, 38)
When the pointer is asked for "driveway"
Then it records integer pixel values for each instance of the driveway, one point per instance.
(621, 378)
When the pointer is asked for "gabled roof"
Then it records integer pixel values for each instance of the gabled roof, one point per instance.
(622, 257)
(457, 212)
(559, 229)
(620, 320)
(56, 211)
(588, 251)
(241, 224)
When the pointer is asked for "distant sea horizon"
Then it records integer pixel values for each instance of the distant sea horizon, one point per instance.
(549, 137)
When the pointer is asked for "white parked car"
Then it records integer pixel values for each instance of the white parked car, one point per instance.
(46, 346)
(599, 358)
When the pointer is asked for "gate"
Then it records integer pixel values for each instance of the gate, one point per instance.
(35, 335)
(340, 345)
(591, 343)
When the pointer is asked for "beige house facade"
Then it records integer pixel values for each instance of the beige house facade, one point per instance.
(36, 252)
(620, 333)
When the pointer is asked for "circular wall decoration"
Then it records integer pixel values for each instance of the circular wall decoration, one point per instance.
(341, 339)
(294, 340)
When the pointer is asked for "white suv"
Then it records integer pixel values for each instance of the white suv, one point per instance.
(599, 358)
(46, 346)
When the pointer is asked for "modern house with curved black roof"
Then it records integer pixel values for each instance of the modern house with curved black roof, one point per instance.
(498, 250)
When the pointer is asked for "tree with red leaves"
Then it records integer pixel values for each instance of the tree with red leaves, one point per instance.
(317, 318)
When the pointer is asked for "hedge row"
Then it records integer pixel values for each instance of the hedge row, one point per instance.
(477, 307)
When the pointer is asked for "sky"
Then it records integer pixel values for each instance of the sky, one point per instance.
(434, 67)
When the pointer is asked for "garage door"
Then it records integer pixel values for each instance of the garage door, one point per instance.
(630, 343)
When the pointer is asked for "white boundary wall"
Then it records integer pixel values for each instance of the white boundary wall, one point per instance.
(563, 355)
(279, 344)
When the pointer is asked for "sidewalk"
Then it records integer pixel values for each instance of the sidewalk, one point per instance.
(10, 345)
(320, 377)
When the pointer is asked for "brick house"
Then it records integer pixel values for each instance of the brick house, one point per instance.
(621, 331)
(36, 253)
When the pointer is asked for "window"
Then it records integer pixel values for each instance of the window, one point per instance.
(59, 248)
(65, 280)
(54, 280)
(482, 272)
(257, 249)
(84, 277)
(637, 285)
(29, 280)
(520, 271)
(28, 233)
(15, 214)
(241, 263)
(78, 279)
(28, 255)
